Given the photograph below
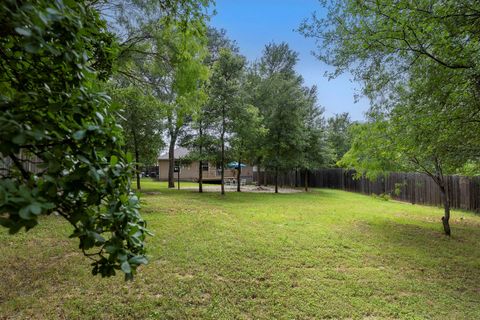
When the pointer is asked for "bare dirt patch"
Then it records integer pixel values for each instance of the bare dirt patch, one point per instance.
(248, 188)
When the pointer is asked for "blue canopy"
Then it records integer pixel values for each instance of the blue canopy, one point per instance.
(234, 164)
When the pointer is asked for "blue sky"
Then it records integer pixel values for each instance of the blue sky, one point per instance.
(252, 24)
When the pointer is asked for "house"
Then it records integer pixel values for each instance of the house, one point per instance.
(211, 172)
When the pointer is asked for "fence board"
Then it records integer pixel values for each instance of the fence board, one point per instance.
(417, 188)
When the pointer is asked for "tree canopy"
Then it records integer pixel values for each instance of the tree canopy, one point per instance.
(402, 52)
(55, 119)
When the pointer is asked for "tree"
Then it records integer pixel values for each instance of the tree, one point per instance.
(61, 147)
(224, 94)
(403, 51)
(338, 135)
(410, 139)
(184, 45)
(218, 41)
(247, 129)
(201, 138)
(391, 45)
(280, 99)
(140, 115)
(380, 42)
(164, 48)
(316, 152)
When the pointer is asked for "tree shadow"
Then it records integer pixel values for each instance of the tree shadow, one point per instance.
(424, 247)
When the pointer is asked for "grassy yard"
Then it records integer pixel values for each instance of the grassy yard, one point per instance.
(323, 254)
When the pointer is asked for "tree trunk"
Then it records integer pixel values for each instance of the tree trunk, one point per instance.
(200, 177)
(446, 206)
(306, 180)
(171, 163)
(276, 179)
(296, 178)
(439, 178)
(137, 159)
(200, 163)
(265, 176)
(178, 176)
(239, 172)
(223, 152)
(258, 183)
(137, 169)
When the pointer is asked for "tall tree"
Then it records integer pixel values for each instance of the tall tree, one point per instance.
(316, 152)
(381, 42)
(163, 47)
(224, 94)
(280, 100)
(201, 138)
(140, 116)
(184, 45)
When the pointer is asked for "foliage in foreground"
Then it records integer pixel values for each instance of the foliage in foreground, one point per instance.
(60, 147)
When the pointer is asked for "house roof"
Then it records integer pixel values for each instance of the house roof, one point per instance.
(179, 152)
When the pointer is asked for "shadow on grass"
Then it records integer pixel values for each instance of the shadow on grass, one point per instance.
(424, 247)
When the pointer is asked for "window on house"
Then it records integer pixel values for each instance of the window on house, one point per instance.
(204, 166)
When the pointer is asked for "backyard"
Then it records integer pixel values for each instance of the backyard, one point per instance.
(322, 254)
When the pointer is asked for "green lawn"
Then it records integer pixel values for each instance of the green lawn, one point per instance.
(323, 254)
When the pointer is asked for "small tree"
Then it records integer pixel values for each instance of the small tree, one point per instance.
(409, 141)
(403, 52)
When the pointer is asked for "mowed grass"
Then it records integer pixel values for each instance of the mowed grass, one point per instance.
(322, 254)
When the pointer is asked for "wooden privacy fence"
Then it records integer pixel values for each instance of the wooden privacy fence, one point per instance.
(409, 187)
(29, 162)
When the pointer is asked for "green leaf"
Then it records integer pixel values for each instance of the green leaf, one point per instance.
(23, 31)
(83, 159)
(113, 160)
(99, 116)
(19, 139)
(79, 135)
(98, 237)
(126, 267)
(32, 48)
(53, 11)
(24, 213)
(35, 208)
(111, 248)
(138, 260)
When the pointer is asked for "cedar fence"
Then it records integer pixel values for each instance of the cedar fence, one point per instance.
(30, 164)
(409, 187)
